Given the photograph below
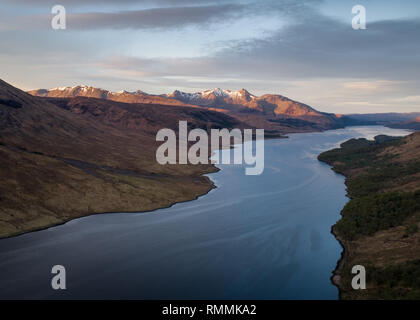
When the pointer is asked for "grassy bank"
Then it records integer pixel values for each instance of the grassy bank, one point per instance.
(39, 191)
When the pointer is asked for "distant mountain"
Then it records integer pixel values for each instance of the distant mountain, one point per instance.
(92, 92)
(383, 118)
(391, 119)
(215, 98)
(413, 124)
(269, 104)
(270, 111)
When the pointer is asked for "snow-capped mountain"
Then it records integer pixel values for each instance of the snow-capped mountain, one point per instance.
(213, 93)
(269, 104)
(92, 92)
(215, 97)
(82, 91)
(272, 107)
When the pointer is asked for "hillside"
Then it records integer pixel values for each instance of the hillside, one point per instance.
(65, 158)
(139, 117)
(379, 228)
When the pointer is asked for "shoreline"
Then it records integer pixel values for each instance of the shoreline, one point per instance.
(336, 276)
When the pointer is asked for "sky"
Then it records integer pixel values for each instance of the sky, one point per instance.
(305, 50)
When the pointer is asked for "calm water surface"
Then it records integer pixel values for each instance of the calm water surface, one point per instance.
(253, 237)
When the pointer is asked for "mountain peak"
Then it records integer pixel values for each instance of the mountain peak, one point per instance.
(244, 91)
(218, 92)
(225, 93)
(79, 86)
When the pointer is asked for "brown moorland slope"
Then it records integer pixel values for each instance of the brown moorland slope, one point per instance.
(67, 158)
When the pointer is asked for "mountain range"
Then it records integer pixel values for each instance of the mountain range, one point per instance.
(215, 98)
(268, 104)
(270, 111)
(275, 113)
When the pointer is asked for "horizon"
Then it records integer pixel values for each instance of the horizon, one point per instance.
(305, 51)
(249, 91)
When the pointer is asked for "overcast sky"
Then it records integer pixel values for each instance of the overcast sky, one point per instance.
(306, 50)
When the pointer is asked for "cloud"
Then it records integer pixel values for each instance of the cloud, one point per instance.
(161, 18)
(112, 2)
(158, 3)
(376, 85)
(329, 64)
(324, 47)
(318, 47)
(148, 14)
(156, 18)
(413, 100)
(301, 52)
